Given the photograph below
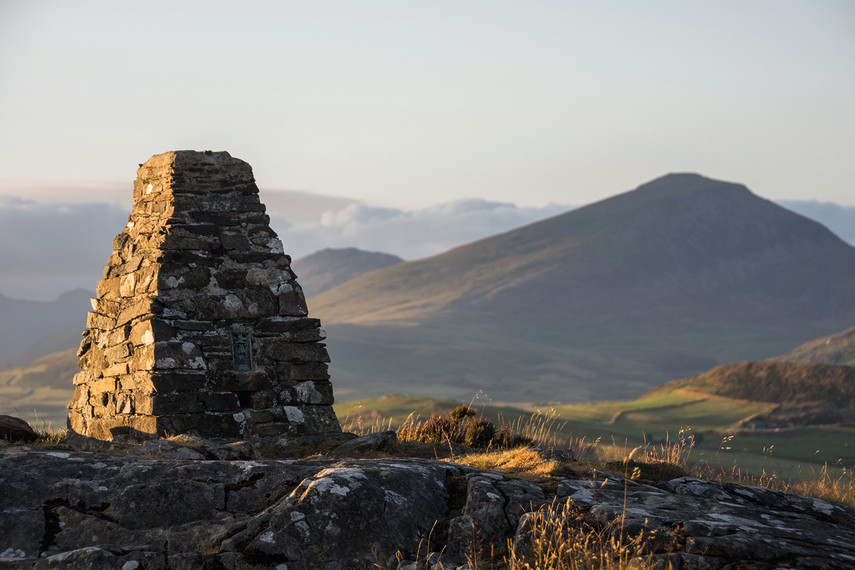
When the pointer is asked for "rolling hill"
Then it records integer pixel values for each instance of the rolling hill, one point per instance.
(35, 328)
(838, 348)
(804, 394)
(43, 385)
(774, 382)
(329, 267)
(603, 302)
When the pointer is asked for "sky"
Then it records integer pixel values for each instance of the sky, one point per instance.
(410, 104)
(411, 127)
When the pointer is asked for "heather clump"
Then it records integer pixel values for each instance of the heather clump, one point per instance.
(460, 426)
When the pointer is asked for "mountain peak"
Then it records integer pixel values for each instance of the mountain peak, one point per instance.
(690, 182)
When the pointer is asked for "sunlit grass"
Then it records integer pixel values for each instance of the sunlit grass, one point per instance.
(562, 537)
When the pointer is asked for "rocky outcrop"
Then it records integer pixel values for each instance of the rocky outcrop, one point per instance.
(199, 324)
(92, 510)
(16, 429)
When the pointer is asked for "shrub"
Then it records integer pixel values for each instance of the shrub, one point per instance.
(460, 426)
(462, 412)
(479, 433)
(505, 438)
(437, 429)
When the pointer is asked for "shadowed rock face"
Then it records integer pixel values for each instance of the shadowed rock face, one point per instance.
(199, 323)
(89, 510)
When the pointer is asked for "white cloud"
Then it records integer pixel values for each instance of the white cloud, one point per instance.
(408, 234)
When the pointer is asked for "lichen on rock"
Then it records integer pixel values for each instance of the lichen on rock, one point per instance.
(162, 509)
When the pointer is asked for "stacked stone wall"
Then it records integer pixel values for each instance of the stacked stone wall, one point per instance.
(199, 324)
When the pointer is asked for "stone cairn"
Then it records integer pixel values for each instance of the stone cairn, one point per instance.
(199, 324)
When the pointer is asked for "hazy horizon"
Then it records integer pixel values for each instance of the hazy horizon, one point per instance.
(49, 247)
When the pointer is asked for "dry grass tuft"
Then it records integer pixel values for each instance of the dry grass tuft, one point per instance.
(823, 485)
(520, 463)
(560, 537)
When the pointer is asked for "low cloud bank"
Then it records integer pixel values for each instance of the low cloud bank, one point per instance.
(408, 234)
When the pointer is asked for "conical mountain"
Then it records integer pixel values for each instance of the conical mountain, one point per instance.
(604, 301)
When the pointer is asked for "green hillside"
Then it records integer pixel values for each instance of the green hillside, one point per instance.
(716, 423)
(40, 390)
(776, 382)
(838, 348)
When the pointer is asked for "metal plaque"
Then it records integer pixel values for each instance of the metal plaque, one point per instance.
(242, 351)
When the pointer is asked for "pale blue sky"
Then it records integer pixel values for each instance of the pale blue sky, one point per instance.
(413, 103)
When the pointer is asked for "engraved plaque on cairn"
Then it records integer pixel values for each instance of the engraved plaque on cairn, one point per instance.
(199, 324)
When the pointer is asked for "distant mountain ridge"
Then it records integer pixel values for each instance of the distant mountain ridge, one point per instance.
(331, 267)
(603, 302)
(27, 323)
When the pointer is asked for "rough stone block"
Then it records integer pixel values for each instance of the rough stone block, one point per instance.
(116, 369)
(138, 308)
(300, 371)
(102, 385)
(108, 288)
(124, 404)
(178, 355)
(99, 321)
(292, 304)
(277, 324)
(83, 377)
(308, 392)
(176, 403)
(183, 381)
(144, 332)
(272, 429)
(118, 352)
(261, 400)
(143, 358)
(233, 242)
(297, 352)
(80, 397)
(220, 401)
(224, 424)
(116, 336)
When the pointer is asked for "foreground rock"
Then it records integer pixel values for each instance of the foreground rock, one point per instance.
(16, 429)
(92, 510)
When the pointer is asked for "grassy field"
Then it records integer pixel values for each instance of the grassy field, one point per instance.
(801, 453)
(32, 391)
